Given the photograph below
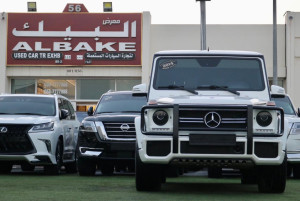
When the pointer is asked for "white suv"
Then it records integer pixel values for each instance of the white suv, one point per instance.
(210, 109)
(293, 146)
(37, 130)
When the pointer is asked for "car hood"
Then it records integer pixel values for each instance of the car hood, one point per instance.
(211, 100)
(114, 117)
(28, 119)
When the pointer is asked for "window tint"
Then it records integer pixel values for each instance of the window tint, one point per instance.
(285, 103)
(236, 74)
(120, 103)
(63, 104)
(27, 105)
(71, 110)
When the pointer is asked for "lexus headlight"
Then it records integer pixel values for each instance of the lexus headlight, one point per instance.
(267, 121)
(295, 129)
(88, 126)
(42, 127)
(158, 120)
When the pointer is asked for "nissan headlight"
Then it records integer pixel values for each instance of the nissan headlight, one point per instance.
(49, 126)
(158, 120)
(88, 126)
(267, 121)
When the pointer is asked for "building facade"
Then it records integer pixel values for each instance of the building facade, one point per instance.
(83, 55)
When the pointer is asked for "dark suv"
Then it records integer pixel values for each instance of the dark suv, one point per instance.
(106, 138)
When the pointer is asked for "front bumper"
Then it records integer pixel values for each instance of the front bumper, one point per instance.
(42, 153)
(263, 150)
(293, 157)
(90, 146)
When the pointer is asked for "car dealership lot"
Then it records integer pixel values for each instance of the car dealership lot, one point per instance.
(37, 186)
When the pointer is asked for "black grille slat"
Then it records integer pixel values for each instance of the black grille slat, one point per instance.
(194, 119)
(15, 140)
(113, 130)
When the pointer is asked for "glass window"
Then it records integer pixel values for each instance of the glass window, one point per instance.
(61, 87)
(26, 105)
(203, 72)
(285, 103)
(71, 110)
(126, 85)
(93, 89)
(22, 86)
(120, 103)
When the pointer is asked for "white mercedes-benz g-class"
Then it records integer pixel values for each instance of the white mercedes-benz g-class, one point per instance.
(210, 109)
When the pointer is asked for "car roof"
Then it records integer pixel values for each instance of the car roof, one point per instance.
(33, 95)
(208, 53)
(117, 92)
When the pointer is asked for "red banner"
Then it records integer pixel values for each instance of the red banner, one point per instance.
(67, 39)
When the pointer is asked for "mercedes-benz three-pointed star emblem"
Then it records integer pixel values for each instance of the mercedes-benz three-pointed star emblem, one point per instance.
(212, 120)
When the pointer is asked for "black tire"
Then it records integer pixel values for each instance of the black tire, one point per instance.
(5, 168)
(248, 176)
(107, 169)
(148, 177)
(27, 167)
(86, 167)
(172, 172)
(272, 179)
(72, 167)
(214, 172)
(289, 170)
(56, 169)
(296, 171)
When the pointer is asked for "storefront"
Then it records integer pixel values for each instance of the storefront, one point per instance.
(82, 55)
(78, 55)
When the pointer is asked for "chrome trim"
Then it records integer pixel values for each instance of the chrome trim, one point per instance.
(103, 135)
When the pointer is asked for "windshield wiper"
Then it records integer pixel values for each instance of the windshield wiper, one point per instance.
(225, 88)
(179, 87)
(24, 114)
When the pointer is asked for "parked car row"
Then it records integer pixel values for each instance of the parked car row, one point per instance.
(189, 121)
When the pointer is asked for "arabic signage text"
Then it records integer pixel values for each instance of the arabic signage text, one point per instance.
(79, 39)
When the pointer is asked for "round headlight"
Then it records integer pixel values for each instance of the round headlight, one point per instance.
(160, 117)
(264, 118)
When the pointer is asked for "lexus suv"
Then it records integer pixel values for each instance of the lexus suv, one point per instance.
(107, 137)
(293, 146)
(37, 130)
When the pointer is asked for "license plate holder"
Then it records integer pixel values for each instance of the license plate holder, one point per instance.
(212, 139)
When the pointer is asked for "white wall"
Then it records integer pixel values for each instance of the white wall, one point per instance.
(3, 35)
(256, 38)
(293, 56)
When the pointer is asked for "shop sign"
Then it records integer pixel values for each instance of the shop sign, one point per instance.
(69, 39)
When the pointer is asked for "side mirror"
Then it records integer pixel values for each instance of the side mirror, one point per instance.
(63, 114)
(277, 90)
(90, 111)
(139, 90)
(298, 112)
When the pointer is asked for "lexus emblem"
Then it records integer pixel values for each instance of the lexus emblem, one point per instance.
(3, 130)
(212, 120)
(124, 127)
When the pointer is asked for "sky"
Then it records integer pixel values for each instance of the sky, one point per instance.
(175, 11)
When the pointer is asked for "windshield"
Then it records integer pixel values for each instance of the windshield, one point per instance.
(285, 103)
(25, 105)
(120, 103)
(209, 73)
